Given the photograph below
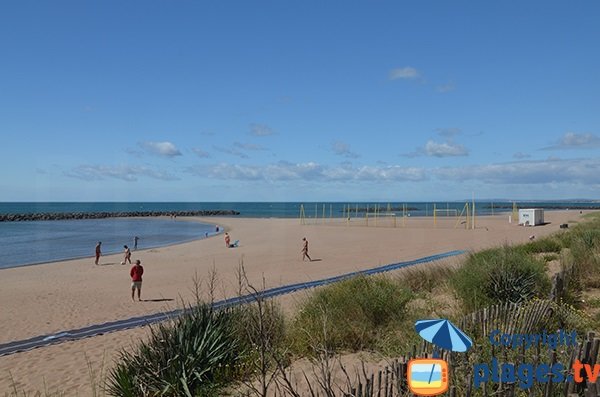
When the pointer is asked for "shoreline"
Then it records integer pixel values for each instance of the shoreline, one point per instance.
(335, 221)
(38, 300)
(107, 253)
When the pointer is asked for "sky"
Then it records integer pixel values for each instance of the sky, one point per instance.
(299, 100)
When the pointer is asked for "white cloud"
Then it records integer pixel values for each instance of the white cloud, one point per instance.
(444, 149)
(200, 153)
(573, 140)
(549, 172)
(441, 149)
(165, 149)
(408, 73)
(343, 149)
(123, 172)
(261, 130)
(527, 172)
(310, 172)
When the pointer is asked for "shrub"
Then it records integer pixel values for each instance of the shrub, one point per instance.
(499, 275)
(543, 245)
(260, 331)
(349, 315)
(188, 356)
(426, 279)
(585, 249)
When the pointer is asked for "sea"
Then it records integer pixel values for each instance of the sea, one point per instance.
(33, 242)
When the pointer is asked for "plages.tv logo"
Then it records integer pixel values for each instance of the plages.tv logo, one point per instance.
(526, 374)
(429, 376)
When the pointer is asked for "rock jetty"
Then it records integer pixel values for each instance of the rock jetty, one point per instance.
(54, 216)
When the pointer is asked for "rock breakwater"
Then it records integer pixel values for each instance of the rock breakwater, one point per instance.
(55, 216)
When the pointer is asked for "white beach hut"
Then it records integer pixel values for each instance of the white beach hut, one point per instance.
(531, 217)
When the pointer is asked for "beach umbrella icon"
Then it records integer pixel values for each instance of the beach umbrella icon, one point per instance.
(443, 334)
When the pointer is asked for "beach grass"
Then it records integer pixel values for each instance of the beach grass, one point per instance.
(498, 275)
(351, 315)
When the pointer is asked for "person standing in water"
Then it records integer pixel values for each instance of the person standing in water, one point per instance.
(135, 241)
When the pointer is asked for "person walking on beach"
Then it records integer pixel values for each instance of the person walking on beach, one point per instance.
(136, 279)
(135, 240)
(98, 251)
(305, 250)
(127, 255)
(227, 240)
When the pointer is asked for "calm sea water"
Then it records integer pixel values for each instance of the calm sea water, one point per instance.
(277, 210)
(24, 243)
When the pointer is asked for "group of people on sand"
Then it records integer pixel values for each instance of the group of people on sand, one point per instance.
(304, 251)
(228, 242)
(136, 270)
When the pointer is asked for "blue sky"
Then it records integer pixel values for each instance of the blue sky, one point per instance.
(311, 100)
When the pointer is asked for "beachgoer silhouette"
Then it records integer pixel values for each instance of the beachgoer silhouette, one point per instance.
(136, 279)
(135, 241)
(305, 250)
(98, 251)
(227, 240)
(127, 255)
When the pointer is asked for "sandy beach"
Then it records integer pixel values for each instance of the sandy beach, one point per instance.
(54, 297)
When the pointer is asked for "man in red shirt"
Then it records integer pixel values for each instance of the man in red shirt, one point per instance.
(136, 279)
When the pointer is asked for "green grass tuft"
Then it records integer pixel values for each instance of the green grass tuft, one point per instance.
(497, 275)
(350, 315)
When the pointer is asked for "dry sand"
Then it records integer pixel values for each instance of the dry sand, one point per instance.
(54, 297)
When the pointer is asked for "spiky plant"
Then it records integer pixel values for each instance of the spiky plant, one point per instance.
(184, 357)
(508, 285)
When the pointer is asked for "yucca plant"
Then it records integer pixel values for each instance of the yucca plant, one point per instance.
(508, 285)
(187, 356)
